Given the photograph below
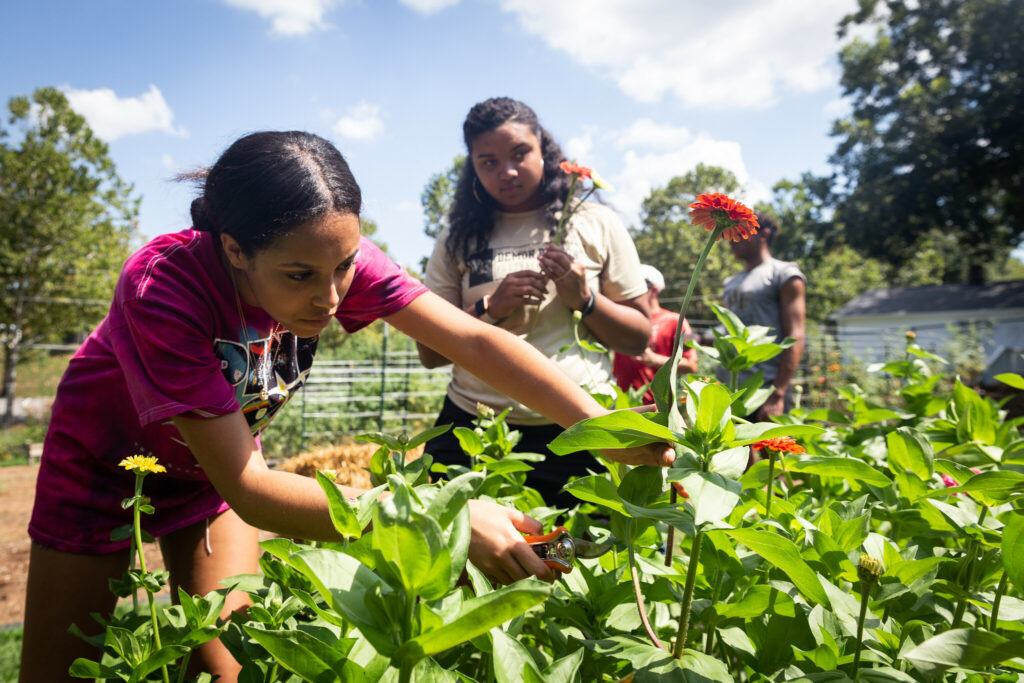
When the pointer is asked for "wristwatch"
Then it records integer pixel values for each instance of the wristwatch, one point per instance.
(480, 309)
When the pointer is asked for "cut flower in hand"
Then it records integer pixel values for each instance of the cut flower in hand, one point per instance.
(577, 172)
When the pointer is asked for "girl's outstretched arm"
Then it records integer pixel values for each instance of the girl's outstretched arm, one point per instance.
(510, 365)
(295, 506)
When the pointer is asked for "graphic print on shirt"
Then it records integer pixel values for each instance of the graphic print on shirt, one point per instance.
(495, 263)
(279, 363)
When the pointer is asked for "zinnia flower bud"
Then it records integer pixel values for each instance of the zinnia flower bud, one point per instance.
(911, 335)
(869, 569)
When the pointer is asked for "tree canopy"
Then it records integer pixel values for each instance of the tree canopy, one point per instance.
(67, 223)
(934, 145)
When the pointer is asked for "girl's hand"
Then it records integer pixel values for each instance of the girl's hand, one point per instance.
(656, 454)
(522, 288)
(497, 547)
(569, 276)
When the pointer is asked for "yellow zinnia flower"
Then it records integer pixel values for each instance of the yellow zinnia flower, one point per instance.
(142, 463)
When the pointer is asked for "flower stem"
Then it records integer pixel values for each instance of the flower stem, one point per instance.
(639, 595)
(691, 579)
(671, 540)
(768, 488)
(674, 417)
(137, 523)
(1000, 589)
(865, 591)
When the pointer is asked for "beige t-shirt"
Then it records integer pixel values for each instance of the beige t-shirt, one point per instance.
(596, 237)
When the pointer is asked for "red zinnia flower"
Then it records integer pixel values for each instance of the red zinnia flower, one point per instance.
(570, 167)
(780, 444)
(680, 490)
(713, 209)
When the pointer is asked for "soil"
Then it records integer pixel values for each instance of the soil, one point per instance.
(17, 490)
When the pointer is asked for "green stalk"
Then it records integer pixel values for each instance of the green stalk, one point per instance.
(968, 572)
(184, 667)
(691, 579)
(994, 625)
(670, 543)
(639, 596)
(768, 489)
(714, 600)
(137, 522)
(865, 590)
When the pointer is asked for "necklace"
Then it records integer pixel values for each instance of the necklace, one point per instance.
(264, 368)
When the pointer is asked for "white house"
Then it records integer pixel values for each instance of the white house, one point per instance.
(873, 326)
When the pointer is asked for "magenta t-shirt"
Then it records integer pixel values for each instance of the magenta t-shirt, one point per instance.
(173, 343)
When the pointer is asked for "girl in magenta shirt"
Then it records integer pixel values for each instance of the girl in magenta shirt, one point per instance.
(211, 331)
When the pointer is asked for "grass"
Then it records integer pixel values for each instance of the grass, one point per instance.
(10, 653)
(39, 374)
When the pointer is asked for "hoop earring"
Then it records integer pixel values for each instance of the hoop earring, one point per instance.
(475, 195)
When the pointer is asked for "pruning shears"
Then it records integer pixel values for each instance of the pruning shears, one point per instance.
(559, 549)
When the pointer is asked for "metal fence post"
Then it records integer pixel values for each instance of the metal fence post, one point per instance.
(383, 379)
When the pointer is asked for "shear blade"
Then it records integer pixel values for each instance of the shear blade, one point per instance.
(589, 549)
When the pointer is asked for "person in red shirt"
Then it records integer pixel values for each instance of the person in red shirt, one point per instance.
(636, 371)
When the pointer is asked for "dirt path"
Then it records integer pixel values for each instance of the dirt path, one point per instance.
(17, 490)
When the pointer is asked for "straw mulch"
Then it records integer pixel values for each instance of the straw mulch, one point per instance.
(347, 462)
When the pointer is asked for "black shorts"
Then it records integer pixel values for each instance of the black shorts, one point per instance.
(548, 477)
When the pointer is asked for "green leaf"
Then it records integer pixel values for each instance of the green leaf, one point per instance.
(512, 661)
(426, 435)
(453, 496)
(344, 582)
(731, 463)
(712, 409)
(654, 665)
(598, 490)
(618, 429)
(86, 668)
(409, 542)
(713, 496)
(161, 657)
(909, 450)
(478, 616)
(749, 433)
(1012, 379)
(563, 670)
(990, 488)
(1013, 548)
(784, 554)
(963, 648)
(305, 656)
(343, 513)
(469, 440)
(850, 469)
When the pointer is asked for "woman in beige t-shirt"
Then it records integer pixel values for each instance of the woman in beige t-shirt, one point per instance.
(495, 260)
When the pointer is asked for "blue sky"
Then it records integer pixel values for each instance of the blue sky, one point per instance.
(642, 90)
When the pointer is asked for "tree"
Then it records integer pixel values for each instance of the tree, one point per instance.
(935, 139)
(668, 241)
(67, 223)
(437, 201)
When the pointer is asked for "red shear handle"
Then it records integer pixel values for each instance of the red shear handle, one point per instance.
(546, 538)
(555, 549)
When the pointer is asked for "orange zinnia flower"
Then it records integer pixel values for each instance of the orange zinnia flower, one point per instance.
(779, 444)
(712, 210)
(570, 167)
(834, 367)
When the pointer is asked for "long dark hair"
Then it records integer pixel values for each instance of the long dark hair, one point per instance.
(267, 183)
(471, 219)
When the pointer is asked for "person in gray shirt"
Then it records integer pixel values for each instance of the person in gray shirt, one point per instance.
(769, 292)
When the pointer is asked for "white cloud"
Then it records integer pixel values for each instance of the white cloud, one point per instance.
(653, 153)
(428, 6)
(289, 17)
(741, 54)
(836, 109)
(111, 117)
(362, 122)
